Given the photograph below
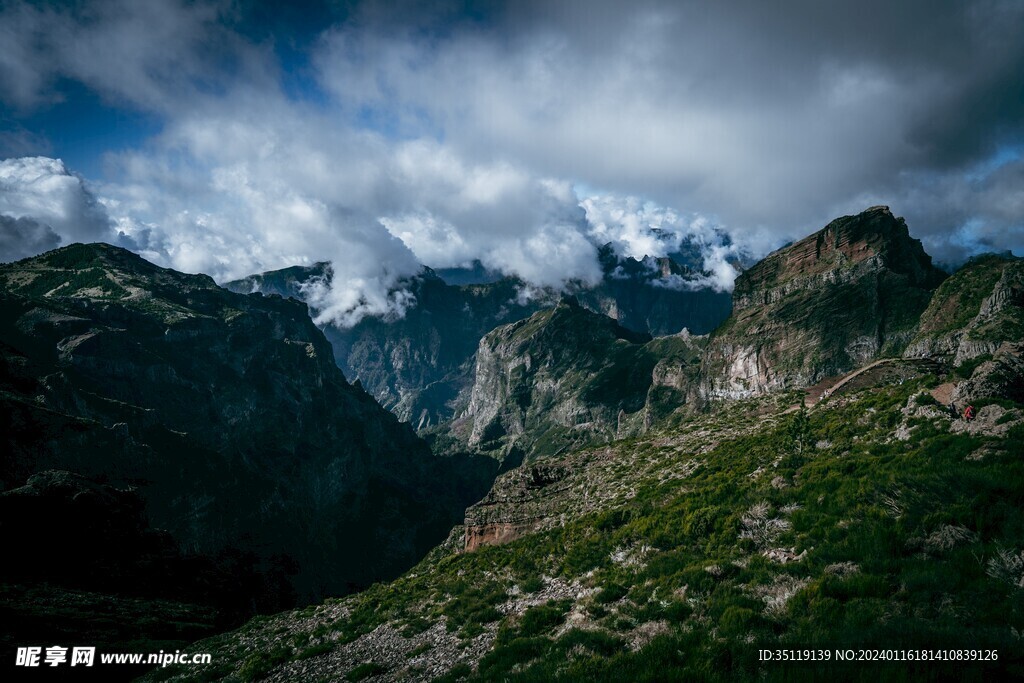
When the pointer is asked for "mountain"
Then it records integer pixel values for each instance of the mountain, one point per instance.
(836, 299)
(975, 322)
(656, 295)
(973, 311)
(871, 521)
(565, 377)
(420, 365)
(415, 365)
(224, 415)
(871, 517)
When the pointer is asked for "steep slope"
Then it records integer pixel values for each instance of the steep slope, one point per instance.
(874, 521)
(420, 366)
(227, 415)
(976, 309)
(832, 301)
(566, 377)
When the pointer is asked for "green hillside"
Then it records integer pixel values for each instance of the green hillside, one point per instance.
(757, 526)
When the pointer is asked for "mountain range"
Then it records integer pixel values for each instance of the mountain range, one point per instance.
(420, 366)
(206, 438)
(589, 497)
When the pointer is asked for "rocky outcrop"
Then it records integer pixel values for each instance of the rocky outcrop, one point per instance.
(225, 413)
(823, 306)
(1002, 377)
(562, 378)
(978, 308)
(522, 501)
(420, 366)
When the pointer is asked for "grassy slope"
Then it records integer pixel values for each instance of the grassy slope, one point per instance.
(957, 301)
(897, 544)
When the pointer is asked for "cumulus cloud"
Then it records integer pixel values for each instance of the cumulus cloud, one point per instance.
(44, 193)
(639, 229)
(431, 134)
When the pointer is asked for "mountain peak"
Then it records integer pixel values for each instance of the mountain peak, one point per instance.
(834, 300)
(95, 271)
(874, 239)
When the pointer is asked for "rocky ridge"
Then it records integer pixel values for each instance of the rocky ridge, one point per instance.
(225, 413)
(568, 377)
(420, 366)
(835, 300)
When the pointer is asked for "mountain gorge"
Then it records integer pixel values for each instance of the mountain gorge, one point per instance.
(420, 365)
(795, 479)
(220, 421)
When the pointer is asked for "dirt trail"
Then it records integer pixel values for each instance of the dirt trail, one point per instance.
(833, 385)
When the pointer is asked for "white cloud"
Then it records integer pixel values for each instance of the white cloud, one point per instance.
(403, 143)
(637, 229)
(44, 191)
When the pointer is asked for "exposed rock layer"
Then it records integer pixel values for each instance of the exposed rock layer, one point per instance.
(823, 306)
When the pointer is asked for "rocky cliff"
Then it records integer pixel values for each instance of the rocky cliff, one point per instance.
(974, 311)
(566, 377)
(225, 413)
(975, 322)
(420, 366)
(829, 303)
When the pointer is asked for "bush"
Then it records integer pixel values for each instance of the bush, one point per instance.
(365, 671)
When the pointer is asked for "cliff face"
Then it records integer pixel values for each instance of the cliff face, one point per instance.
(225, 412)
(822, 306)
(974, 311)
(566, 377)
(563, 375)
(975, 322)
(421, 366)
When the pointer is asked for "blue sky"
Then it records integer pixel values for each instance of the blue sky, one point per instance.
(230, 137)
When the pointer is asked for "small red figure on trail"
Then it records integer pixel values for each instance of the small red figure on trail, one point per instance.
(969, 413)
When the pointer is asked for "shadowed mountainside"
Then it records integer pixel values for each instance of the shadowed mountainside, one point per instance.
(224, 413)
(421, 365)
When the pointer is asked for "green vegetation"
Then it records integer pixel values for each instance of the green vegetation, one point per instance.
(816, 530)
(958, 301)
(365, 671)
(256, 666)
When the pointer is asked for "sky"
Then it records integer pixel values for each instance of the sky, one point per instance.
(234, 137)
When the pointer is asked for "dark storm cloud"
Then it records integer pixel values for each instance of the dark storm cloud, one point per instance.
(380, 134)
(766, 114)
(146, 53)
(21, 237)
